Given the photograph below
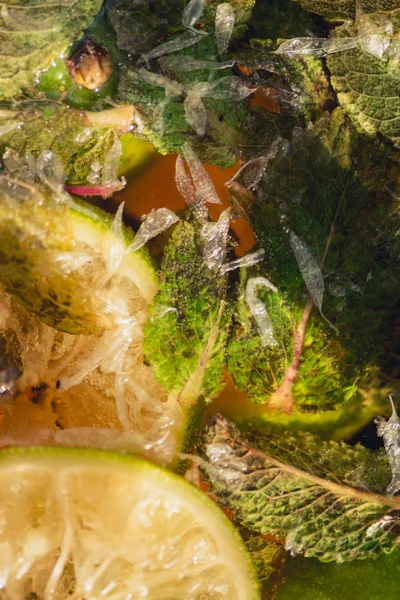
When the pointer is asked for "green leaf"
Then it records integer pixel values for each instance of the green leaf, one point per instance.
(326, 500)
(186, 335)
(65, 132)
(345, 9)
(139, 26)
(368, 86)
(313, 580)
(34, 34)
(341, 213)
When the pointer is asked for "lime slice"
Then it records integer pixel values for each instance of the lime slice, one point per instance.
(73, 304)
(68, 262)
(89, 524)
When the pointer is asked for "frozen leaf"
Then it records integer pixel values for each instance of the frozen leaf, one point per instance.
(195, 112)
(224, 24)
(155, 223)
(228, 88)
(366, 79)
(184, 183)
(172, 88)
(187, 39)
(390, 431)
(50, 170)
(245, 261)
(192, 13)
(205, 190)
(258, 310)
(35, 34)
(186, 348)
(317, 47)
(215, 238)
(322, 498)
(337, 10)
(309, 268)
(187, 63)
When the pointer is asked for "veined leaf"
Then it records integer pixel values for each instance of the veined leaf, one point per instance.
(186, 335)
(34, 33)
(83, 148)
(324, 499)
(367, 84)
(345, 9)
(342, 215)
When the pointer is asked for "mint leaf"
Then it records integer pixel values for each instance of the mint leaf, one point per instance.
(341, 213)
(82, 148)
(366, 82)
(345, 9)
(324, 499)
(186, 335)
(34, 34)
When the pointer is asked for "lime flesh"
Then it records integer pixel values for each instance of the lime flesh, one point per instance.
(87, 524)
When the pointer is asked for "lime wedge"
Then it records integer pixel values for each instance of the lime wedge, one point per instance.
(89, 524)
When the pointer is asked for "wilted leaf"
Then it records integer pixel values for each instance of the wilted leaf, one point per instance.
(324, 499)
(34, 34)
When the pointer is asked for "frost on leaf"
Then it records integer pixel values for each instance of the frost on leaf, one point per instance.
(171, 87)
(258, 310)
(224, 24)
(195, 111)
(215, 237)
(205, 190)
(316, 47)
(155, 223)
(323, 499)
(244, 261)
(309, 269)
(390, 431)
(192, 13)
(187, 39)
(188, 63)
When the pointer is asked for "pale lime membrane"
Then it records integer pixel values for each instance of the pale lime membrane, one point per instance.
(90, 525)
(85, 354)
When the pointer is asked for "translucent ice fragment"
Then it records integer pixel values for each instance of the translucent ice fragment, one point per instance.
(244, 261)
(155, 223)
(171, 87)
(390, 431)
(195, 112)
(205, 190)
(192, 13)
(188, 191)
(317, 47)
(215, 237)
(224, 24)
(229, 88)
(50, 170)
(374, 33)
(259, 311)
(309, 269)
(187, 39)
(188, 63)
